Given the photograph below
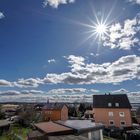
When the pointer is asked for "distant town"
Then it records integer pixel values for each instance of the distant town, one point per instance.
(108, 117)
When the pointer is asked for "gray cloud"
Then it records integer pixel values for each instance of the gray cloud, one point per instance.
(121, 72)
(5, 83)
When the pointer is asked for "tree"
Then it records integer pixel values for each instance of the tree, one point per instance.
(27, 115)
(82, 108)
(2, 115)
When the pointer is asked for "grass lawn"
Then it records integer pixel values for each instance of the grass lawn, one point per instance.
(20, 131)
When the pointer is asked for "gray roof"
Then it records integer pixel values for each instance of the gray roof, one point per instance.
(53, 106)
(4, 123)
(101, 101)
(81, 126)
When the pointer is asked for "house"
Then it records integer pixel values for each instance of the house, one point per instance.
(112, 110)
(55, 111)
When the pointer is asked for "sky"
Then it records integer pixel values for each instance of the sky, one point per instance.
(68, 50)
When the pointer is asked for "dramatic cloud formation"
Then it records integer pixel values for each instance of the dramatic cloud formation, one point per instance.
(56, 3)
(123, 36)
(1, 15)
(125, 68)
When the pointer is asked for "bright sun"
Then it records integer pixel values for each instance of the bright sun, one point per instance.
(101, 29)
(98, 28)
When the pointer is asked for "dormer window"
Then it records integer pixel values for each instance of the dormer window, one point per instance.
(109, 104)
(117, 104)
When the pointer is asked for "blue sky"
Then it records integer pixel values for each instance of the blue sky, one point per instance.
(48, 50)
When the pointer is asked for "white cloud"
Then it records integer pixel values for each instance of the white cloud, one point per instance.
(1, 15)
(31, 82)
(60, 95)
(135, 1)
(123, 36)
(5, 83)
(9, 93)
(67, 91)
(56, 3)
(54, 95)
(120, 91)
(77, 62)
(81, 72)
(51, 61)
(123, 69)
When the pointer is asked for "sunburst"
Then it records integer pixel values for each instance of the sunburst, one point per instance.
(98, 29)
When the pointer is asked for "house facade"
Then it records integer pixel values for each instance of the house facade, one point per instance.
(112, 110)
(55, 112)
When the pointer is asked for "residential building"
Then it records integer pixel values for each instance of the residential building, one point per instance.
(71, 130)
(55, 111)
(112, 110)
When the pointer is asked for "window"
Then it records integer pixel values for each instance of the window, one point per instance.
(111, 122)
(109, 104)
(121, 114)
(49, 112)
(117, 104)
(123, 123)
(110, 114)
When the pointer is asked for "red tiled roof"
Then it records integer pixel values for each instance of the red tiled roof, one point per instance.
(53, 128)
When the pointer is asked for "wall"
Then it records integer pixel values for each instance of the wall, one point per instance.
(52, 115)
(101, 116)
(64, 113)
